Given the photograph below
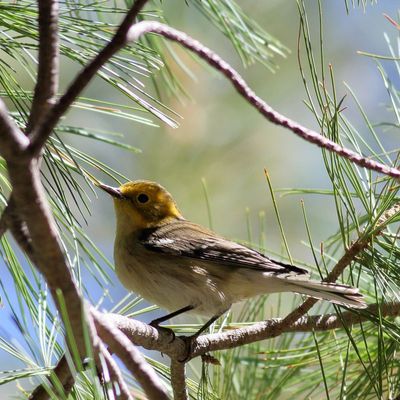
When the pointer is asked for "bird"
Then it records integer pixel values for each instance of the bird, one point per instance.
(184, 267)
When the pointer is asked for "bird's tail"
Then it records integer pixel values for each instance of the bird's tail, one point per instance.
(333, 292)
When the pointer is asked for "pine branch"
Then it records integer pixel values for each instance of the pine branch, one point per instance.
(178, 380)
(151, 339)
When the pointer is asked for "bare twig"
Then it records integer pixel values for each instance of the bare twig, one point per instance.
(134, 361)
(40, 135)
(178, 380)
(241, 86)
(48, 66)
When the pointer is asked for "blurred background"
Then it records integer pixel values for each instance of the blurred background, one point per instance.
(223, 142)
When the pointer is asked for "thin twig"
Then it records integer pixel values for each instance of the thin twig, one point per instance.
(243, 89)
(132, 358)
(48, 64)
(43, 131)
(178, 380)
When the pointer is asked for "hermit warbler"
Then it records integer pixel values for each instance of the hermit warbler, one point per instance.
(184, 267)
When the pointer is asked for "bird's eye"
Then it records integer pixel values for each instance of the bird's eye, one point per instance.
(142, 198)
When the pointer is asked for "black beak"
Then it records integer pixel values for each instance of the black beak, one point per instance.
(114, 192)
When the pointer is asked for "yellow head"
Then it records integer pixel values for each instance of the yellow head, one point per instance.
(142, 204)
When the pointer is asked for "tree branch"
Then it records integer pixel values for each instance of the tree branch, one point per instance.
(34, 210)
(151, 339)
(108, 367)
(134, 361)
(244, 90)
(48, 64)
(148, 337)
(178, 380)
(42, 241)
(43, 131)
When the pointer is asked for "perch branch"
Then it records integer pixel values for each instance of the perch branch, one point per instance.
(151, 339)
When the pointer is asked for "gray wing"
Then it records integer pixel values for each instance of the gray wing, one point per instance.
(191, 240)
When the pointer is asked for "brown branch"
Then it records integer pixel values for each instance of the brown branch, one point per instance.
(178, 380)
(132, 358)
(107, 368)
(34, 229)
(33, 209)
(244, 90)
(19, 230)
(43, 131)
(48, 64)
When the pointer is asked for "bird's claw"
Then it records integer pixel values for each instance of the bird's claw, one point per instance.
(166, 331)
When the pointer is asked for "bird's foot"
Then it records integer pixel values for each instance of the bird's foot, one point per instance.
(166, 331)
